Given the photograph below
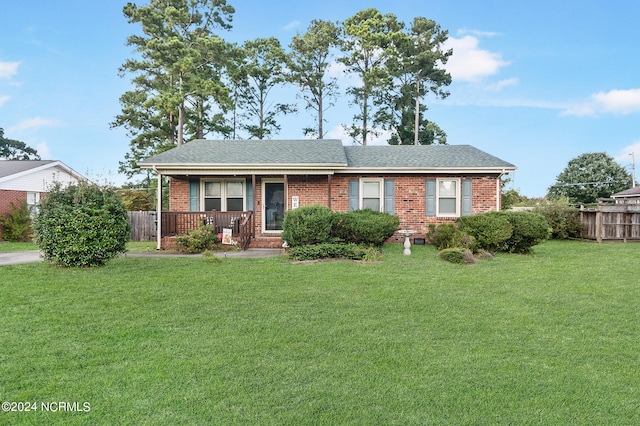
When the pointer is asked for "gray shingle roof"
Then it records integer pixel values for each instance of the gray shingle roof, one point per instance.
(252, 152)
(421, 157)
(11, 167)
(328, 153)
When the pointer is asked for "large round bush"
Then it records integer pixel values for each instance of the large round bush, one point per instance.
(307, 225)
(366, 227)
(81, 225)
(529, 229)
(489, 231)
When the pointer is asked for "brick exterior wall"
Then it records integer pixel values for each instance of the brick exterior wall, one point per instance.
(7, 197)
(409, 195)
(178, 194)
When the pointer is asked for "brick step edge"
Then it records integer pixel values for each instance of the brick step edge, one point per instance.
(266, 242)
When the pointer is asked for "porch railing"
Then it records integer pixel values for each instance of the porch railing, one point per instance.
(242, 224)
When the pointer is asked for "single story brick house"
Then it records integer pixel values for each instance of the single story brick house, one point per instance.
(27, 180)
(249, 185)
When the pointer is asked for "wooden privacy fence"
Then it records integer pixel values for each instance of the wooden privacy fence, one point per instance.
(143, 225)
(611, 220)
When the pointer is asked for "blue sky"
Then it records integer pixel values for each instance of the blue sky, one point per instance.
(534, 83)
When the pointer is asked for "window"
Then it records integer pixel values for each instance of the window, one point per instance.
(33, 201)
(224, 195)
(447, 197)
(371, 194)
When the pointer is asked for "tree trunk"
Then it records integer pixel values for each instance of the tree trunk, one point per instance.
(320, 113)
(416, 124)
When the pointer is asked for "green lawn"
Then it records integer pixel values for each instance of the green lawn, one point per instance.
(8, 247)
(132, 247)
(548, 339)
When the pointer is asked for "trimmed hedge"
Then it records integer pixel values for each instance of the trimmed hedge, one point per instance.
(529, 229)
(366, 227)
(315, 232)
(328, 250)
(489, 230)
(307, 225)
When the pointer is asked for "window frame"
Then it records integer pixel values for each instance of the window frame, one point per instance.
(458, 197)
(361, 197)
(223, 193)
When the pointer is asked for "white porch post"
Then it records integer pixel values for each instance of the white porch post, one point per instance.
(159, 212)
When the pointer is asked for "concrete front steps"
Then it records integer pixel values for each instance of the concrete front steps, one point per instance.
(266, 242)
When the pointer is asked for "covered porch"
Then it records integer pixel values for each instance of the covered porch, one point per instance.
(241, 224)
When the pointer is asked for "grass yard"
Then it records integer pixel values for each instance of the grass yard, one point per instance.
(8, 247)
(552, 338)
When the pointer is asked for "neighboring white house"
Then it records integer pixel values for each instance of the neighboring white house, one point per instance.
(628, 196)
(22, 180)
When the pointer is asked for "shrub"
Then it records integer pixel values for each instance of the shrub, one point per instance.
(16, 225)
(563, 219)
(489, 230)
(81, 225)
(448, 235)
(198, 240)
(332, 250)
(307, 225)
(364, 227)
(457, 255)
(529, 229)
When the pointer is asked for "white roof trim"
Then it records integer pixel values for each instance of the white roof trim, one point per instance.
(53, 164)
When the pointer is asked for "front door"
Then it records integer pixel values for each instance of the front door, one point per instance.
(273, 206)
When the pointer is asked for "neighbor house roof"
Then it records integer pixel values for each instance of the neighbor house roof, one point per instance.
(35, 175)
(12, 167)
(319, 156)
(632, 192)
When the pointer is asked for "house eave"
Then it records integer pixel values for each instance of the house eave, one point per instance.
(302, 169)
(429, 170)
(242, 169)
(51, 165)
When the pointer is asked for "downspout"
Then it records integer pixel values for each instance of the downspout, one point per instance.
(158, 210)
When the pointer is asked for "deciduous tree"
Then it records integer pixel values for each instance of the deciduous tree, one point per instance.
(589, 177)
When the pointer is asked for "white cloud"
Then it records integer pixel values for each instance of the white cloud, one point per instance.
(612, 102)
(43, 150)
(469, 62)
(477, 33)
(291, 25)
(624, 156)
(619, 101)
(340, 132)
(8, 69)
(3, 99)
(34, 123)
(496, 87)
